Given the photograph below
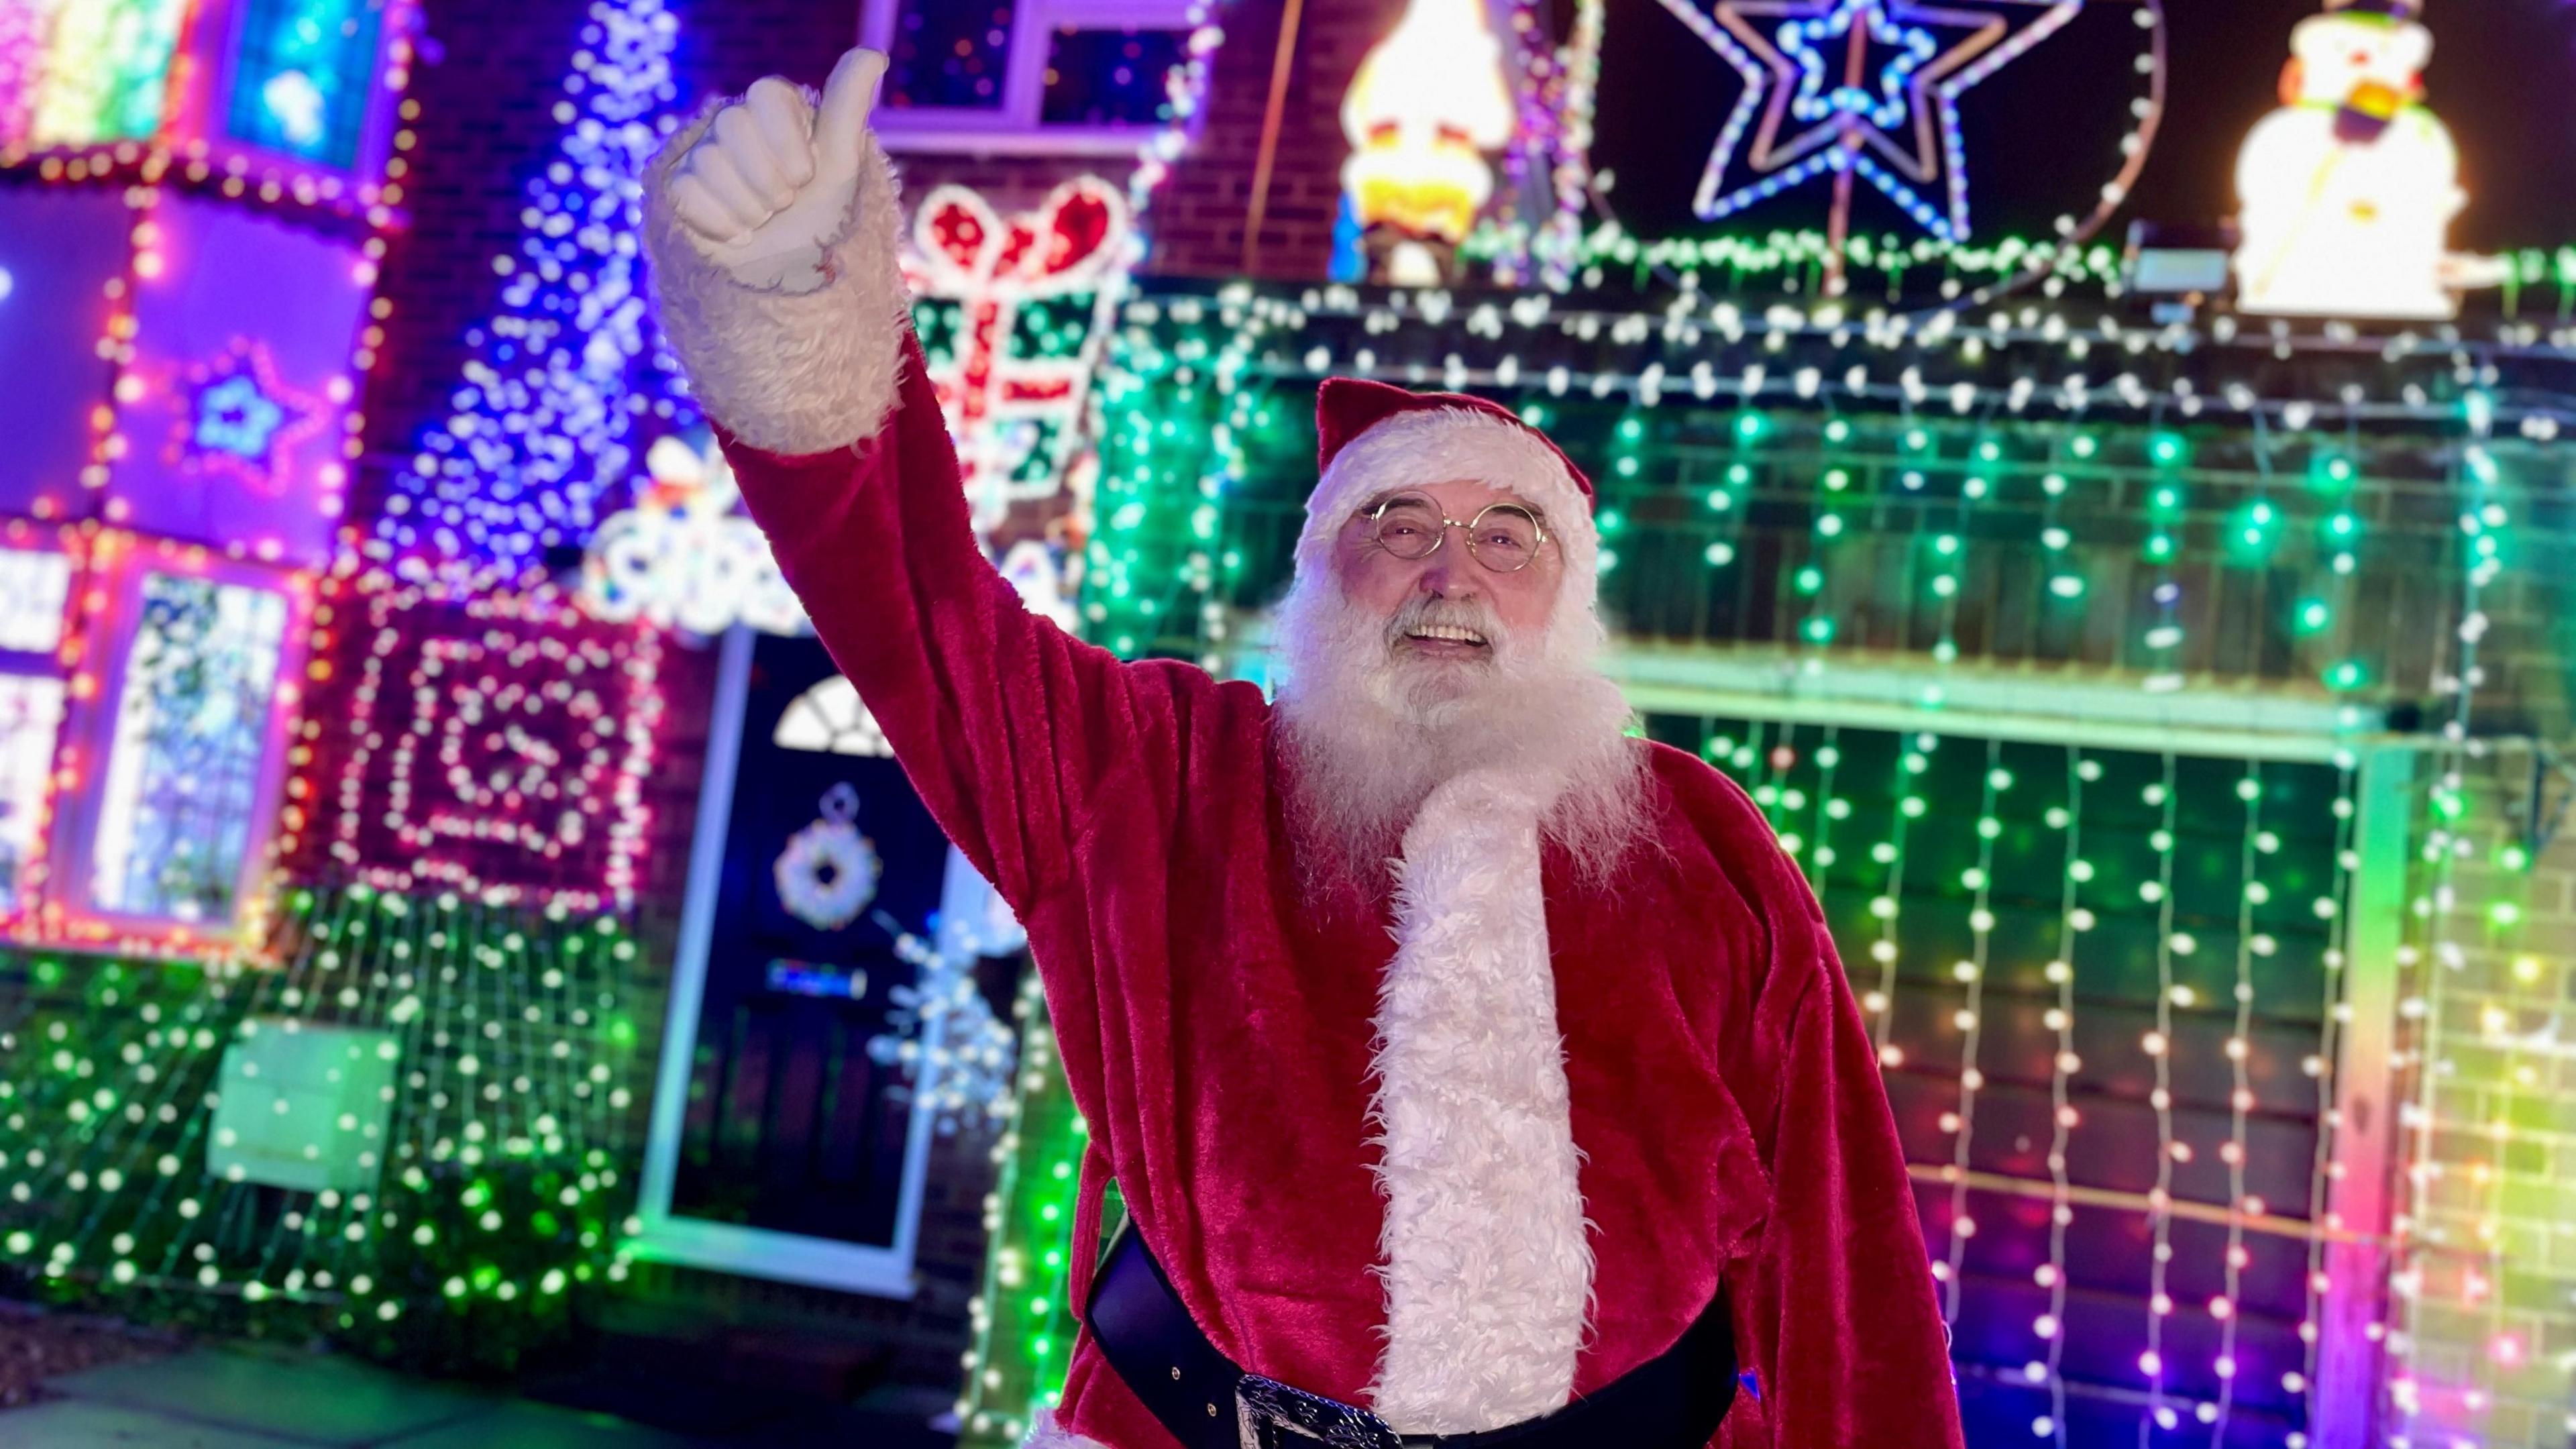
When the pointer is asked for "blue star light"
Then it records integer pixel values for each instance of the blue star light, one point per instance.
(1809, 44)
(1862, 88)
(234, 416)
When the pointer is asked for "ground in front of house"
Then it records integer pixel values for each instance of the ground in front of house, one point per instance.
(86, 1384)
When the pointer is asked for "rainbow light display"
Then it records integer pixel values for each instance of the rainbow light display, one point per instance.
(2133, 991)
(288, 96)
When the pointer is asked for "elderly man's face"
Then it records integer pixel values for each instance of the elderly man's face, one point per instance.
(1448, 585)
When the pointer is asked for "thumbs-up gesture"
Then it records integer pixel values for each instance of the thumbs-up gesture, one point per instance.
(768, 188)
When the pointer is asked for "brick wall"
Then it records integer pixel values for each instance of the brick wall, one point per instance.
(2488, 1319)
(491, 71)
(1199, 220)
(2489, 1330)
(1011, 183)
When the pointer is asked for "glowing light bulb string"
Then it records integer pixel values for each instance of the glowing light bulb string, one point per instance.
(1971, 1023)
(2063, 1117)
(2169, 1148)
(2240, 1100)
(2322, 1169)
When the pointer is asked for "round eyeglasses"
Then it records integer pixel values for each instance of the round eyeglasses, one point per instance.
(1504, 537)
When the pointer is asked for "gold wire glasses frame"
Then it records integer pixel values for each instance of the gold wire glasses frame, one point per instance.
(1504, 537)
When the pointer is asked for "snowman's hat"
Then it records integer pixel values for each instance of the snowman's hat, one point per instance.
(2398, 12)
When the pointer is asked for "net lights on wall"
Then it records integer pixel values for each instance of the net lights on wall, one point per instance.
(403, 1137)
(1913, 488)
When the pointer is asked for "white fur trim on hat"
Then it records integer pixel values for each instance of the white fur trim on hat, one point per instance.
(1442, 445)
(792, 372)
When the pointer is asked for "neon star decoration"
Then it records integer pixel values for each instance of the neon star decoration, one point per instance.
(1857, 88)
(235, 417)
(245, 421)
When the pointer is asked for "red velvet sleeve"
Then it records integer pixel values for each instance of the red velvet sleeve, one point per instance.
(1837, 1317)
(1004, 722)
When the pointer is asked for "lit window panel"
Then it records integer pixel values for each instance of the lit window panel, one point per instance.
(93, 70)
(31, 714)
(33, 587)
(302, 78)
(2102, 982)
(178, 805)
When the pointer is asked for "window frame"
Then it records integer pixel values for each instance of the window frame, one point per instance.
(106, 606)
(1013, 126)
(44, 664)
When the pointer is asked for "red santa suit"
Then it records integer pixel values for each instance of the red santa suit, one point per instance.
(1490, 1148)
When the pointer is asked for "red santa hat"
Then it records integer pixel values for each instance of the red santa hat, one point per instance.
(1373, 438)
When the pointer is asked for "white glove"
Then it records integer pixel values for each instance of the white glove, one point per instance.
(766, 192)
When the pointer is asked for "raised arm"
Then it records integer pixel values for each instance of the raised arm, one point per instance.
(772, 230)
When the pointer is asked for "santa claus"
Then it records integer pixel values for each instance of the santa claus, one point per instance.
(1474, 1073)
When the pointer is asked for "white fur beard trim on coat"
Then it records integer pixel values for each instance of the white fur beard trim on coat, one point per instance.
(1046, 1433)
(1485, 1260)
(791, 372)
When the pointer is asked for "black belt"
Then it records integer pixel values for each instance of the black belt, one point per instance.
(1673, 1401)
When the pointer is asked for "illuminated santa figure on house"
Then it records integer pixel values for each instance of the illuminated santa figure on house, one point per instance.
(1471, 1071)
(2350, 188)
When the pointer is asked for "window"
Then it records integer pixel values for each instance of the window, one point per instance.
(831, 719)
(302, 75)
(1064, 76)
(100, 71)
(176, 816)
(141, 758)
(1108, 77)
(31, 714)
(298, 80)
(33, 588)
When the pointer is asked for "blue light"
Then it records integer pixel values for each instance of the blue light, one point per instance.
(543, 434)
(1887, 105)
(1800, 79)
(234, 416)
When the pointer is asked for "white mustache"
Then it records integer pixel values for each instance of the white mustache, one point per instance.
(1426, 613)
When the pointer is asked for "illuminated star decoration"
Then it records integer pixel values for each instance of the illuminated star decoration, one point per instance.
(243, 419)
(1856, 87)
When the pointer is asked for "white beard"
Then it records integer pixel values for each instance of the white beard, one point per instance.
(1370, 727)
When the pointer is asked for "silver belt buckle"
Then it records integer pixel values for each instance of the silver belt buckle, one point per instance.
(1270, 1415)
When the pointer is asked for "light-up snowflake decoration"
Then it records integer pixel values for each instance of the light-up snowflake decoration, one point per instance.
(946, 1035)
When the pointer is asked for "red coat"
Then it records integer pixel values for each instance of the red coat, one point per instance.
(1217, 1034)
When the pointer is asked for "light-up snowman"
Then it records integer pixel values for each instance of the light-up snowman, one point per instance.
(2350, 188)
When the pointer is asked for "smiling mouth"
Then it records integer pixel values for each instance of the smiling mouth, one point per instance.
(1446, 635)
